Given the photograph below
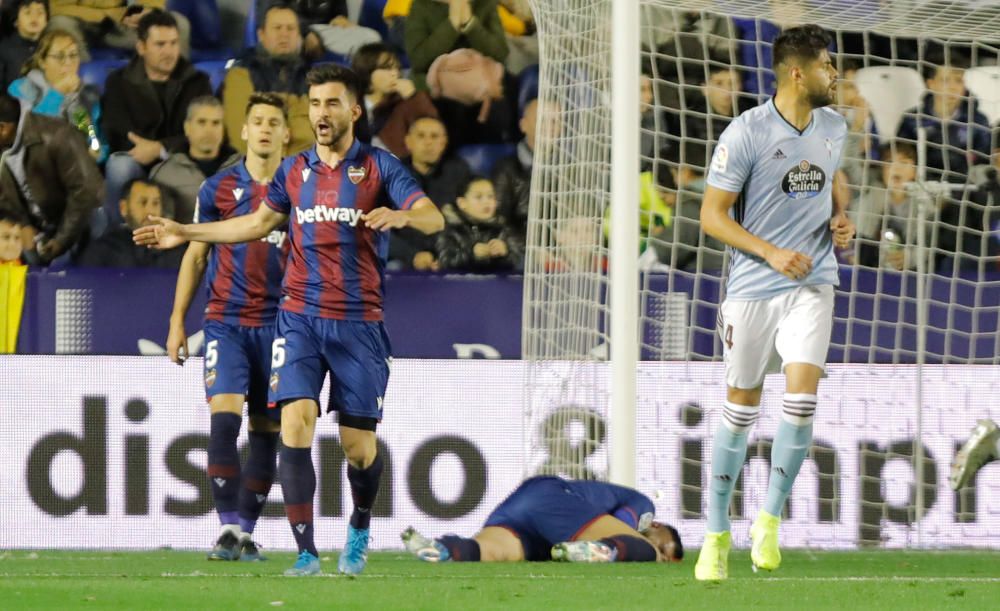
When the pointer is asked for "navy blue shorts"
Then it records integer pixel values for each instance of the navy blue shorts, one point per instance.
(357, 355)
(541, 512)
(238, 361)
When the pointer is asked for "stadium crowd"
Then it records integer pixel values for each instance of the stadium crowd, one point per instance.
(110, 101)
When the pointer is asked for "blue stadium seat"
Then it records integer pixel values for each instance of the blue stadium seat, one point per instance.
(482, 157)
(371, 16)
(97, 71)
(527, 88)
(206, 24)
(216, 71)
(250, 27)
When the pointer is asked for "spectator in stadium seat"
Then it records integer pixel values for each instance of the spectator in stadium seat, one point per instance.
(276, 65)
(441, 177)
(325, 26)
(11, 242)
(48, 179)
(394, 14)
(52, 86)
(180, 175)
(436, 27)
(886, 212)
(392, 103)
(708, 115)
(690, 32)
(958, 135)
(512, 175)
(142, 199)
(145, 104)
(31, 17)
(477, 239)
(112, 23)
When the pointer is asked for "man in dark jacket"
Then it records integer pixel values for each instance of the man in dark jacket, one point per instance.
(116, 248)
(441, 177)
(958, 134)
(512, 175)
(48, 178)
(325, 26)
(145, 103)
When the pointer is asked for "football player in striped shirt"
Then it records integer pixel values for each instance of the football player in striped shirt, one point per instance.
(244, 285)
(340, 199)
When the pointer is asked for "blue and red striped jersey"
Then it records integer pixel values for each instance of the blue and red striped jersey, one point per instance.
(244, 280)
(337, 266)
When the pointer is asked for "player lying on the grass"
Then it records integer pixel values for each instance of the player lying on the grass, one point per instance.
(549, 518)
(244, 286)
(982, 446)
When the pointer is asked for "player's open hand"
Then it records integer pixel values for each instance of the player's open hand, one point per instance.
(843, 230)
(177, 348)
(790, 263)
(384, 219)
(160, 234)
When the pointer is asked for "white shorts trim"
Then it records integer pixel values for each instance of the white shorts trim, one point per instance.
(759, 337)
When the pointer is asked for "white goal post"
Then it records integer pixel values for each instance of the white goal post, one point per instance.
(621, 288)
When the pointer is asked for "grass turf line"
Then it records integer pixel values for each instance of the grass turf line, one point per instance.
(856, 581)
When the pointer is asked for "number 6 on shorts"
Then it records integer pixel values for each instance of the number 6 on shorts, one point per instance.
(278, 353)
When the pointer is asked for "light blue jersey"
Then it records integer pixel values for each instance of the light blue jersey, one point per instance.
(785, 179)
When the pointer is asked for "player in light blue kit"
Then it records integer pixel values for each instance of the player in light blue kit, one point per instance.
(769, 198)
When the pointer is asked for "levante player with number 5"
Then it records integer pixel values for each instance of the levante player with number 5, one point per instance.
(340, 199)
(769, 198)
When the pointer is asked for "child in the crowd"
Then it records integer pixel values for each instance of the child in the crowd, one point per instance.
(10, 238)
(477, 239)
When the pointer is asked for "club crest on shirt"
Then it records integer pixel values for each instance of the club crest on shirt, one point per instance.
(356, 174)
(210, 376)
(804, 181)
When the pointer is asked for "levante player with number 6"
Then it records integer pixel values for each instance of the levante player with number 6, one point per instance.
(340, 199)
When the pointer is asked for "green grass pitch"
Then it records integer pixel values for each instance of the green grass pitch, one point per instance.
(164, 579)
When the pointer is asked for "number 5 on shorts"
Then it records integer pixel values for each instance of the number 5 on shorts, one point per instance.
(278, 353)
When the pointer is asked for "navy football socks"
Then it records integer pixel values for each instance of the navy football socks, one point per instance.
(258, 476)
(224, 465)
(364, 488)
(460, 549)
(298, 484)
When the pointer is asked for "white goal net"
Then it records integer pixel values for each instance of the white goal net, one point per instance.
(915, 356)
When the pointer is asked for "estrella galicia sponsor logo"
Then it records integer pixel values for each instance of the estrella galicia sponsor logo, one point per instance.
(803, 181)
(321, 213)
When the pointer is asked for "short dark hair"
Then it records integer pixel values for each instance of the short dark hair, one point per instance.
(8, 216)
(366, 61)
(267, 98)
(10, 108)
(897, 147)
(204, 100)
(274, 5)
(463, 187)
(678, 546)
(16, 7)
(332, 73)
(938, 59)
(803, 43)
(416, 120)
(155, 18)
(127, 189)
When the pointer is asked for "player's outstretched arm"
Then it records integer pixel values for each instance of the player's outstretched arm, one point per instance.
(188, 279)
(716, 222)
(423, 216)
(165, 233)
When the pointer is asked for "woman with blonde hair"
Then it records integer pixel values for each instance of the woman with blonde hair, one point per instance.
(50, 85)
